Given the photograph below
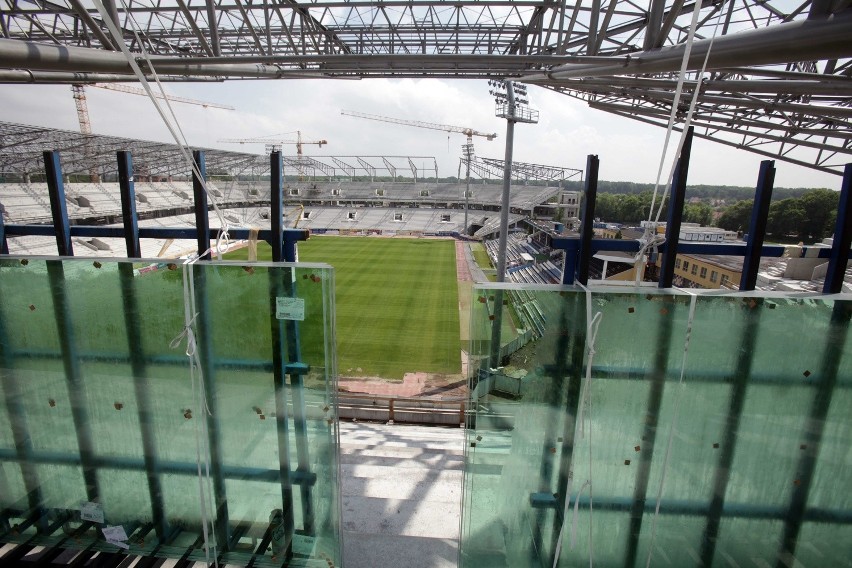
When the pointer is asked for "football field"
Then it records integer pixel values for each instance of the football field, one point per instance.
(396, 303)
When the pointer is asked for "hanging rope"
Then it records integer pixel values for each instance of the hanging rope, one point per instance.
(673, 425)
(651, 239)
(173, 125)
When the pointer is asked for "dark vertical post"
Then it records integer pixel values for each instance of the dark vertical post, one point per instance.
(757, 225)
(276, 206)
(675, 213)
(128, 204)
(279, 338)
(842, 237)
(657, 379)
(74, 376)
(812, 432)
(587, 225)
(202, 221)
(205, 352)
(141, 383)
(204, 341)
(4, 246)
(728, 446)
(56, 190)
(570, 352)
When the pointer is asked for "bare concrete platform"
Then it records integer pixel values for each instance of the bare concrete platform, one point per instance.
(401, 493)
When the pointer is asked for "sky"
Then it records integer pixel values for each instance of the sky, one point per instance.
(567, 132)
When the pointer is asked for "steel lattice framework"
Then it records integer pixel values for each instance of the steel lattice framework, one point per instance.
(778, 81)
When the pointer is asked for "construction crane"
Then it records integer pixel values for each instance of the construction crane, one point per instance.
(467, 149)
(78, 92)
(469, 132)
(274, 145)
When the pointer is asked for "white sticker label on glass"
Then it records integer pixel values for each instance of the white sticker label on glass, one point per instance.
(290, 308)
(92, 512)
(116, 535)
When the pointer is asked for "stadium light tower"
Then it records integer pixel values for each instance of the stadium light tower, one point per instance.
(511, 104)
(514, 109)
(468, 153)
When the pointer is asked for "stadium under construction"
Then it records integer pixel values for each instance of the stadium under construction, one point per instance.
(179, 359)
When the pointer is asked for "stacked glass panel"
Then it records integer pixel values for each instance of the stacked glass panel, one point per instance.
(673, 429)
(162, 398)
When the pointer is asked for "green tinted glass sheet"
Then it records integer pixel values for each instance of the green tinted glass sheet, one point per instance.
(714, 429)
(103, 423)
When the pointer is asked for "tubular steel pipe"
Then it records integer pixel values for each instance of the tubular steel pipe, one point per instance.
(805, 40)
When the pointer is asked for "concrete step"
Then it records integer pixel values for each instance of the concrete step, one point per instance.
(401, 495)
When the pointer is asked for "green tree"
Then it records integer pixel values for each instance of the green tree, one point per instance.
(736, 217)
(786, 217)
(700, 213)
(820, 206)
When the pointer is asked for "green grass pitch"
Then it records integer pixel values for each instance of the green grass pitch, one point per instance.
(396, 303)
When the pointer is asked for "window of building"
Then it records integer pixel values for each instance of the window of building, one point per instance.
(694, 270)
(350, 216)
(424, 193)
(468, 194)
(292, 192)
(685, 265)
(380, 192)
(714, 276)
(335, 192)
(397, 216)
(445, 218)
(677, 263)
(703, 272)
(306, 214)
(725, 279)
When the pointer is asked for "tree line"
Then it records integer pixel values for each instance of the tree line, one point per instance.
(809, 217)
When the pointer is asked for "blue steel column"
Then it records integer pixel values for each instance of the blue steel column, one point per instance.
(128, 204)
(135, 343)
(279, 365)
(58, 211)
(590, 197)
(202, 221)
(573, 258)
(842, 237)
(757, 225)
(205, 352)
(675, 213)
